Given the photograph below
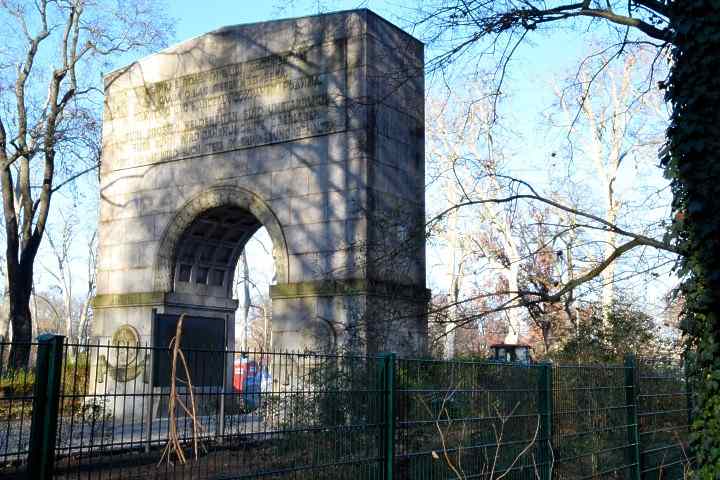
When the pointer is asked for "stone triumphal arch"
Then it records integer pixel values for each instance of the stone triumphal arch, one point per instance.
(310, 127)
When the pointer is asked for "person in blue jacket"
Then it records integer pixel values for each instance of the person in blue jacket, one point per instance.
(257, 379)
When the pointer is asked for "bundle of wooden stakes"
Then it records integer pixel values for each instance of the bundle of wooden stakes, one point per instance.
(174, 446)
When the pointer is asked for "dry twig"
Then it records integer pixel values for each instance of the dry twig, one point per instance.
(173, 445)
(457, 468)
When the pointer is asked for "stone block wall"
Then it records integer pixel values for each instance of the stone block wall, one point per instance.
(312, 125)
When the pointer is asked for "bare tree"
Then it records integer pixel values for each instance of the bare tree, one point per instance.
(445, 167)
(75, 311)
(4, 310)
(535, 252)
(260, 335)
(618, 127)
(83, 331)
(62, 270)
(687, 30)
(499, 28)
(49, 116)
(246, 299)
(466, 157)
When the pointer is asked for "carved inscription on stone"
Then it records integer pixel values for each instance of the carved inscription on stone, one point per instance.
(281, 97)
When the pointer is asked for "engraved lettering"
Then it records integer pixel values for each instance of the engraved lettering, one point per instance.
(272, 99)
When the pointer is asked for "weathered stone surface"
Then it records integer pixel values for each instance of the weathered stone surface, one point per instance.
(311, 127)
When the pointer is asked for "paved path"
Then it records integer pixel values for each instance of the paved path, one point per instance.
(82, 436)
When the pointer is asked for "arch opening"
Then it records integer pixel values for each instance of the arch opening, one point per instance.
(221, 217)
(254, 275)
(199, 265)
(209, 264)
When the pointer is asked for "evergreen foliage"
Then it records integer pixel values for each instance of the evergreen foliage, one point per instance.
(693, 88)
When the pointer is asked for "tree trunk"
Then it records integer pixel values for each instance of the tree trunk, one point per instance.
(82, 335)
(70, 339)
(246, 299)
(5, 316)
(513, 314)
(608, 287)
(21, 319)
(454, 279)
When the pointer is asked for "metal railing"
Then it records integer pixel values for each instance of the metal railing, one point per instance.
(471, 420)
(103, 411)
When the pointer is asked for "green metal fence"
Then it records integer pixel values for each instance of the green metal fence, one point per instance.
(664, 406)
(16, 401)
(102, 411)
(593, 422)
(471, 420)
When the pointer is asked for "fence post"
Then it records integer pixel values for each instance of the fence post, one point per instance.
(388, 389)
(227, 384)
(545, 413)
(633, 427)
(46, 403)
(688, 391)
(688, 369)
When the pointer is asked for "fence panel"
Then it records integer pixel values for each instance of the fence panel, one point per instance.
(663, 413)
(315, 416)
(16, 402)
(460, 419)
(344, 417)
(590, 424)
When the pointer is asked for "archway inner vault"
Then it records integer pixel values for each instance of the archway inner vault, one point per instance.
(207, 253)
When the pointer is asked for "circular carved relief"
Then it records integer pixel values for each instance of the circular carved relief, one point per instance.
(121, 362)
(125, 336)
